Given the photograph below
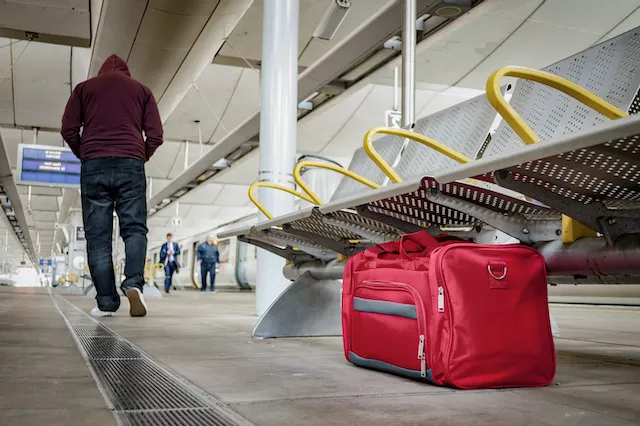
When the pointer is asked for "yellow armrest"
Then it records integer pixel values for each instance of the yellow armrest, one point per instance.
(257, 203)
(516, 122)
(348, 173)
(431, 143)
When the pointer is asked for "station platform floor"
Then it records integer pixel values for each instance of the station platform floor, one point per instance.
(203, 342)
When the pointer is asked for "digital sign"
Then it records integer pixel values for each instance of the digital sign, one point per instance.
(41, 165)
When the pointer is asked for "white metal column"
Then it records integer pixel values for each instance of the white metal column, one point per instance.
(278, 120)
(408, 62)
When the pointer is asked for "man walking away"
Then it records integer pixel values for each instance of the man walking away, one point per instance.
(208, 257)
(113, 111)
(169, 258)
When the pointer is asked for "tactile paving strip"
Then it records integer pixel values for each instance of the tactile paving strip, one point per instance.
(141, 391)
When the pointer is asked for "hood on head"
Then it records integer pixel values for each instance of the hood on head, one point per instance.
(114, 63)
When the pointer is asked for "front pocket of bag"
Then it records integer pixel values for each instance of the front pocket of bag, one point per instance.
(385, 330)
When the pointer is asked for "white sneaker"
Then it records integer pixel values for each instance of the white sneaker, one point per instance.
(137, 307)
(96, 312)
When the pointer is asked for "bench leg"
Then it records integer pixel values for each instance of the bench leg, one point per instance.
(308, 307)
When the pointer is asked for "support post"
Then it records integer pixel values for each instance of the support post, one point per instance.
(278, 120)
(408, 76)
(408, 62)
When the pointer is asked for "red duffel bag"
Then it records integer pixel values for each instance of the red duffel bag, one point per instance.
(449, 312)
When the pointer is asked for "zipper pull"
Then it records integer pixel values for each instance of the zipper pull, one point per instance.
(440, 299)
(422, 358)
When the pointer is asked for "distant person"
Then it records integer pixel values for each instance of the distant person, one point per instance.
(208, 258)
(113, 111)
(169, 258)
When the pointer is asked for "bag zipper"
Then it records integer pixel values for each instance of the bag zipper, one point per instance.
(390, 285)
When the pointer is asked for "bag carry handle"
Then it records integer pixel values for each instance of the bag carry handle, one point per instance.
(422, 239)
(418, 242)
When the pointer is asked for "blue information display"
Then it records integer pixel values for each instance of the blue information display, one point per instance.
(48, 166)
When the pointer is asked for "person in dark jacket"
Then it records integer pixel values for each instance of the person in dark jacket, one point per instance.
(113, 110)
(208, 257)
(169, 258)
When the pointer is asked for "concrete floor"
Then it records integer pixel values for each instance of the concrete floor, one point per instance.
(206, 338)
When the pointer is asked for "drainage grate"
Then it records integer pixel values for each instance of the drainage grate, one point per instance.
(108, 347)
(138, 384)
(141, 391)
(198, 417)
(91, 330)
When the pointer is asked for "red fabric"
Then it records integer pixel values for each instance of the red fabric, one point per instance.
(113, 110)
(489, 332)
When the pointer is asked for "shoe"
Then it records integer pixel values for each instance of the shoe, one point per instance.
(137, 307)
(96, 312)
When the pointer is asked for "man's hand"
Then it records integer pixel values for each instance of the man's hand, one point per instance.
(200, 262)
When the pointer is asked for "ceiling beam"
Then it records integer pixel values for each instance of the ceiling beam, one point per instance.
(362, 43)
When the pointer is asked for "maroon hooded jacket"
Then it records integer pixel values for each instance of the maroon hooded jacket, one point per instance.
(113, 110)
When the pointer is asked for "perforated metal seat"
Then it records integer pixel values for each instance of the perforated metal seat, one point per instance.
(388, 146)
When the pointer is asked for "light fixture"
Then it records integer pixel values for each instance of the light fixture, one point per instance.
(332, 19)
(393, 43)
(222, 163)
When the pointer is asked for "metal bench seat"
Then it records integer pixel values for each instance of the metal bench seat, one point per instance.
(540, 171)
(464, 127)
(282, 243)
(609, 71)
(337, 232)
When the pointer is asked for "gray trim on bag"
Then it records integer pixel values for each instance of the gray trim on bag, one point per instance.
(383, 307)
(388, 368)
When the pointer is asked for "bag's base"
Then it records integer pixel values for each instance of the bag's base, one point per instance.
(373, 364)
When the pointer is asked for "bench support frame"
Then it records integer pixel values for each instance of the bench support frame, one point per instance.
(308, 307)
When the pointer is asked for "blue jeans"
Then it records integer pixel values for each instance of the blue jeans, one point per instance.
(114, 183)
(169, 269)
(211, 269)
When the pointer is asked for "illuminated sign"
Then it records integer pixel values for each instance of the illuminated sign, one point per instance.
(41, 165)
